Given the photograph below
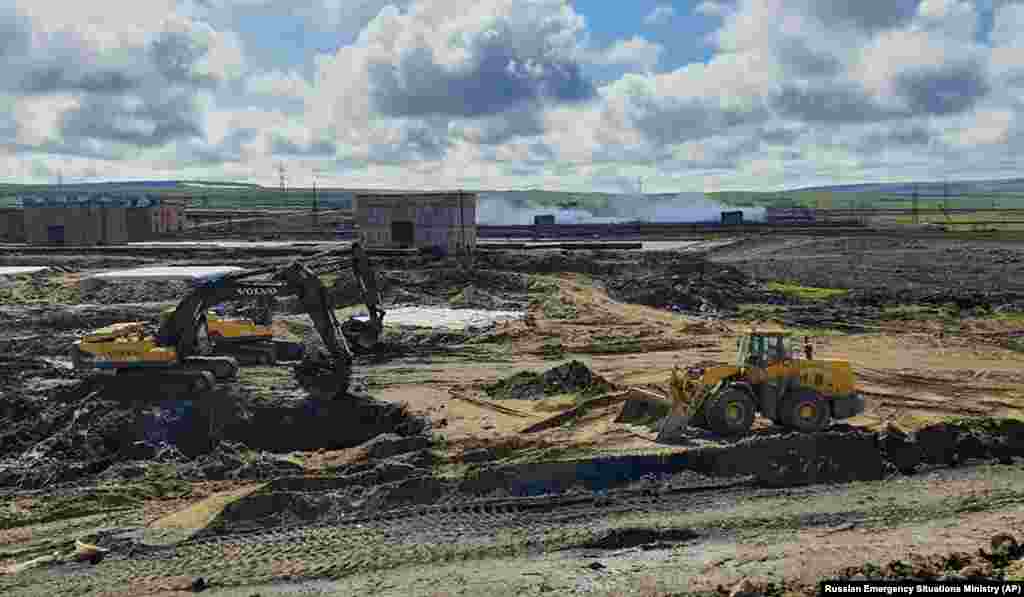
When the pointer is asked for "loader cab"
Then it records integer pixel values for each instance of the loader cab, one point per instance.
(761, 349)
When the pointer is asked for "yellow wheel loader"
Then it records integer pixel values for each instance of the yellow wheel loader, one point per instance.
(770, 377)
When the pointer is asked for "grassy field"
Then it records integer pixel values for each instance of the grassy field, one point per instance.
(971, 221)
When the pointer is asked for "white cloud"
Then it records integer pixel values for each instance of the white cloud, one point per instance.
(661, 14)
(290, 85)
(38, 118)
(494, 93)
(633, 52)
(986, 127)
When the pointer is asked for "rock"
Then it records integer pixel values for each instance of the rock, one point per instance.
(596, 566)
(267, 466)
(938, 443)
(198, 584)
(478, 455)
(386, 445)
(50, 560)
(219, 465)
(87, 552)
(900, 449)
(390, 471)
(142, 450)
(1005, 545)
(1000, 450)
(417, 459)
(1012, 433)
(745, 588)
(1015, 571)
(977, 571)
(970, 447)
(569, 377)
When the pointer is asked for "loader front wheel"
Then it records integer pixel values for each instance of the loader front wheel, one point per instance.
(805, 411)
(731, 412)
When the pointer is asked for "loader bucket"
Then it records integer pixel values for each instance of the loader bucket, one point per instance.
(688, 397)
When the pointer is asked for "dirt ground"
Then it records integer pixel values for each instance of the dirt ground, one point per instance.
(930, 341)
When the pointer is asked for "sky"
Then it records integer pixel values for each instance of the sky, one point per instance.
(571, 95)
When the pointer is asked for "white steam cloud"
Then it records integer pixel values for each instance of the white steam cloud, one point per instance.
(498, 209)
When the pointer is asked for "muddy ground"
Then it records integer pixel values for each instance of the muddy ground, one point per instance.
(436, 421)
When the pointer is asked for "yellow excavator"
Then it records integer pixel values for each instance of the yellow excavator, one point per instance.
(770, 377)
(250, 340)
(182, 357)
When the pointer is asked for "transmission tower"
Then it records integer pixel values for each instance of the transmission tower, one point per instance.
(282, 176)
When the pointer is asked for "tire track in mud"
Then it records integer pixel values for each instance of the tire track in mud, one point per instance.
(333, 548)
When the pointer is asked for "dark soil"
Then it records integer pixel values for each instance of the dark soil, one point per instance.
(892, 270)
(570, 378)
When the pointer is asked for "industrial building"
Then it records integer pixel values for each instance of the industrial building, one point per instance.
(444, 221)
(83, 219)
(12, 225)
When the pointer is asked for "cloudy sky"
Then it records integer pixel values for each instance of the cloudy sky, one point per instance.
(512, 94)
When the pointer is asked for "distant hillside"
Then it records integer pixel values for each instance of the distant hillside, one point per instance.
(963, 187)
(240, 195)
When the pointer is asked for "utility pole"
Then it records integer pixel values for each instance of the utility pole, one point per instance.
(316, 202)
(281, 176)
(914, 204)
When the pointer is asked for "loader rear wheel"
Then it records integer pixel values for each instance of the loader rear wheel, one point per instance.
(805, 411)
(730, 412)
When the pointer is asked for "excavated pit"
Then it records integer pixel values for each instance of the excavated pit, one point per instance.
(68, 429)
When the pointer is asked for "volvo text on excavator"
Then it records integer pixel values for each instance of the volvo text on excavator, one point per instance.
(178, 357)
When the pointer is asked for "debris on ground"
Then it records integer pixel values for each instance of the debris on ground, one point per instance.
(573, 377)
(639, 407)
(1003, 557)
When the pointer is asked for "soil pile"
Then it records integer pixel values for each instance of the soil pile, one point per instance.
(134, 291)
(904, 271)
(1001, 560)
(695, 286)
(442, 284)
(50, 318)
(570, 378)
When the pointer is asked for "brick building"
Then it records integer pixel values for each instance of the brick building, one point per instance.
(83, 219)
(444, 220)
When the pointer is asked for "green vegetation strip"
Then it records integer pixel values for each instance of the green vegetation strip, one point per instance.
(105, 499)
(38, 289)
(805, 293)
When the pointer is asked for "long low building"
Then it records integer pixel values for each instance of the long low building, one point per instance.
(84, 219)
